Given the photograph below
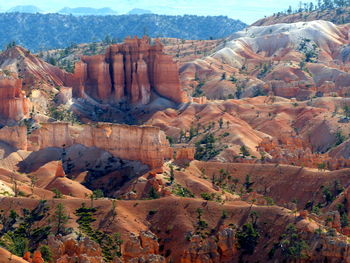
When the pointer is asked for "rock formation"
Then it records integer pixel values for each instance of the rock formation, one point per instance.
(284, 131)
(255, 157)
(37, 257)
(184, 152)
(52, 176)
(24, 79)
(13, 102)
(143, 248)
(274, 59)
(220, 248)
(140, 143)
(33, 70)
(14, 136)
(71, 250)
(134, 71)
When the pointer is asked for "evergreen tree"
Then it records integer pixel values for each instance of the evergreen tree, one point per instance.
(247, 238)
(311, 6)
(172, 175)
(60, 220)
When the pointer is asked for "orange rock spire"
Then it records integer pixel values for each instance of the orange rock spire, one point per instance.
(131, 70)
(13, 104)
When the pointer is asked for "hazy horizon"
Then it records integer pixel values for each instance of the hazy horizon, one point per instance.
(247, 11)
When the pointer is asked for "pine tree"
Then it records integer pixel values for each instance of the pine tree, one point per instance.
(311, 6)
(60, 220)
(172, 175)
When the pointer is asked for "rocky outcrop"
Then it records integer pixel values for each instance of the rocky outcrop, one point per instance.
(335, 249)
(13, 102)
(143, 248)
(327, 14)
(37, 257)
(220, 248)
(133, 70)
(14, 136)
(254, 64)
(137, 143)
(24, 78)
(184, 152)
(52, 176)
(73, 251)
(30, 68)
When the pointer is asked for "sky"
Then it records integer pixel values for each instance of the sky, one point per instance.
(247, 11)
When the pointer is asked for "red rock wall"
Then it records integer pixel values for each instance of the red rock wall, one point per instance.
(140, 143)
(129, 71)
(13, 104)
(185, 153)
(14, 136)
(146, 144)
(166, 80)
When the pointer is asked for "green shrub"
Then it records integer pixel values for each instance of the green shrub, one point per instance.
(247, 238)
(292, 245)
(98, 193)
(14, 243)
(207, 148)
(46, 253)
(153, 194)
(57, 193)
(207, 196)
(269, 200)
(109, 243)
(181, 191)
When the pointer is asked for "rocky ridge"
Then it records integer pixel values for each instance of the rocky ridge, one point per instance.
(142, 143)
(309, 60)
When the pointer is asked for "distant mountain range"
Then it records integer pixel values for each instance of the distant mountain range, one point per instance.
(82, 11)
(77, 11)
(48, 31)
(31, 9)
(138, 11)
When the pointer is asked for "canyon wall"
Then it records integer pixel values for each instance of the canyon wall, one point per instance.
(133, 71)
(142, 143)
(15, 136)
(139, 143)
(184, 152)
(13, 103)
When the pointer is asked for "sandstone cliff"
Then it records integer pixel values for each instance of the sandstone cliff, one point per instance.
(13, 102)
(27, 83)
(141, 143)
(14, 136)
(133, 70)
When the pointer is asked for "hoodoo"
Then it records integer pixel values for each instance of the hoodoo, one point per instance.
(134, 71)
(13, 103)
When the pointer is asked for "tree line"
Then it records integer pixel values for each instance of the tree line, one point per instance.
(318, 5)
